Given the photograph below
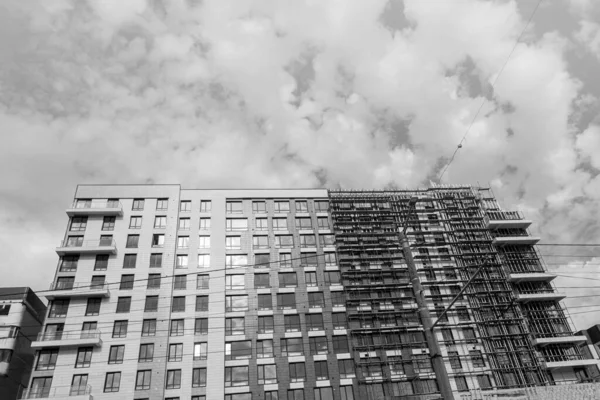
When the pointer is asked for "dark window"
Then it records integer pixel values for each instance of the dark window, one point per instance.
(149, 327)
(178, 304)
(340, 344)
(199, 377)
(142, 380)
(123, 304)
(264, 348)
(158, 240)
(154, 281)
(84, 357)
(146, 352)
(79, 385)
(288, 279)
(201, 303)
(69, 263)
(262, 260)
(309, 260)
(175, 352)
(97, 282)
(126, 282)
(314, 322)
(484, 381)
(235, 326)
(108, 224)
(201, 326)
(265, 324)
(318, 345)
(291, 347)
(202, 281)
(180, 282)
(236, 376)
(115, 354)
(156, 260)
(267, 374)
(120, 329)
(46, 359)
(454, 359)
(321, 371)
(58, 309)
(461, 383)
(339, 320)
(297, 372)
(93, 306)
(238, 350)
(173, 379)
(129, 260)
(151, 304)
(286, 301)
(316, 300)
(74, 241)
(78, 223)
(132, 241)
(332, 278)
(477, 358)
(291, 323)
(346, 368)
(265, 302)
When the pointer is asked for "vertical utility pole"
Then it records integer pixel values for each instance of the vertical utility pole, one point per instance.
(437, 361)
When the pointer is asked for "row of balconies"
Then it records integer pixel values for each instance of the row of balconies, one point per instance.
(73, 392)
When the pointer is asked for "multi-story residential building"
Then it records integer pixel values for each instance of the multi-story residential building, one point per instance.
(21, 318)
(166, 293)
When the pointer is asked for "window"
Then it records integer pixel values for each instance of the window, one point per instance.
(203, 260)
(238, 350)
(69, 263)
(138, 205)
(338, 299)
(309, 259)
(346, 368)
(120, 329)
(149, 327)
(330, 259)
(454, 359)
(262, 260)
(324, 393)
(154, 281)
(185, 206)
(316, 300)
(297, 372)
(267, 373)
(173, 379)
(151, 304)
(265, 324)
(236, 376)
(291, 347)
(199, 377)
(321, 372)
(204, 242)
(79, 385)
(202, 281)
(262, 224)
(160, 222)
(280, 224)
(236, 261)
(58, 308)
(422, 363)
(288, 279)
(183, 242)
(162, 204)
(261, 281)
(135, 222)
(84, 357)
(182, 261)
(282, 206)
(106, 240)
(260, 242)
(265, 302)
(233, 242)
(484, 381)
(477, 358)
(97, 282)
(200, 351)
(461, 383)
(146, 352)
(314, 322)
(318, 345)
(301, 206)
(291, 323)
(129, 260)
(259, 207)
(323, 222)
(108, 223)
(326, 240)
(340, 344)
(184, 224)
(126, 282)
(303, 223)
(339, 320)
(78, 223)
(272, 395)
(308, 241)
(205, 206)
(115, 354)
(46, 359)
(201, 326)
(93, 306)
(64, 283)
(198, 397)
(236, 224)
(201, 303)
(332, 278)
(132, 241)
(463, 313)
(178, 304)
(295, 394)
(234, 282)
(284, 241)
(469, 335)
(285, 260)
(204, 223)
(310, 278)
(286, 301)
(74, 241)
(347, 392)
(40, 387)
(234, 207)
(142, 380)
(177, 327)
(156, 260)
(264, 348)
(175, 352)
(235, 326)
(321, 206)
(158, 240)
(236, 303)
(180, 282)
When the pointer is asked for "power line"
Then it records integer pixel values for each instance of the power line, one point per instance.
(493, 86)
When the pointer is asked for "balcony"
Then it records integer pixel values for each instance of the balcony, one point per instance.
(570, 362)
(540, 296)
(77, 290)
(506, 219)
(545, 341)
(82, 392)
(68, 339)
(530, 277)
(103, 208)
(100, 246)
(515, 240)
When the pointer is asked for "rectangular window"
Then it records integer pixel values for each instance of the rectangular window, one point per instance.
(201, 303)
(120, 329)
(234, 282)
(184, 224)
(309, 260)
(323, 223)
(477, 358)
(326, 240)
(239, 350)
(461, 383)
(308, 241)
(97, 282)
(47, 359)
(79, 385)
(74, 241)
(151, 304)
(182, 261)
(180, 282)
(259, 207)
(301, 206)
(236, 376)
(185, 206)
(265, 324)
(78, 224)
(234, 207)
(346, 368)
(202, 281)
(156, 260)
(115, 354)
(463, 313)
(135, 222)
(262, 260)
(84, 357)
(484, 381)
(469, 335)
(330, 259)
(236, 224)
(291, 323)
(132, 241)
(260, 242)
(314, 322)
(146, 352)
(162, 204)
(204, 223)
(205, 206)
(454, 359)
(282, 206)
(126, 282)
(64, 283)
(422, 363)
(154, 281)
(264, 348)
(69, 263)
(203, 260)
(321, 371)
(321, 206)
(288, 279)
(316, 300)
(318, 345)
(149, 327)
(178, 304)
(261, 281)
(285, 260)
(286, 301)
(173, 379)
(292, 347)
(235, 326)
(204, 242)
(280, 224)
(339, 320)
(200, 351)
(93, 306)
(236, 303)
(201, 326)
(129, 260)
(333, 278)
(142, 380)
(338, 299)
(297, 372)
(175, 352)
(183, 242)
(138, 205)
(158, 240)
(177, 327)
(108, 223)
(199, 377)
(265, 302)
(310, 278)
(160, 222)
(284, 241)
(262, 224)
(267, 374)
(303, 223)
(233, 242)
(236, 261)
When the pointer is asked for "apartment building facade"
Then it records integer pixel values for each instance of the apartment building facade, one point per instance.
(21, 319)
(167, 293)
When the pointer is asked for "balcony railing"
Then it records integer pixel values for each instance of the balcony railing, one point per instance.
(78, 285)
(55, 392)
(95, 207)
(88, 243)
(80, 246)
(504, 215)
(49, 336)
(77, 289)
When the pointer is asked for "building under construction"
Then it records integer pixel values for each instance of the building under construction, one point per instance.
(506, 329)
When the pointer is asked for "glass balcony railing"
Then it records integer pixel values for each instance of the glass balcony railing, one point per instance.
(46, 392)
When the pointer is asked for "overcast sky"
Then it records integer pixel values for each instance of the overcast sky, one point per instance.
(340, 93)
